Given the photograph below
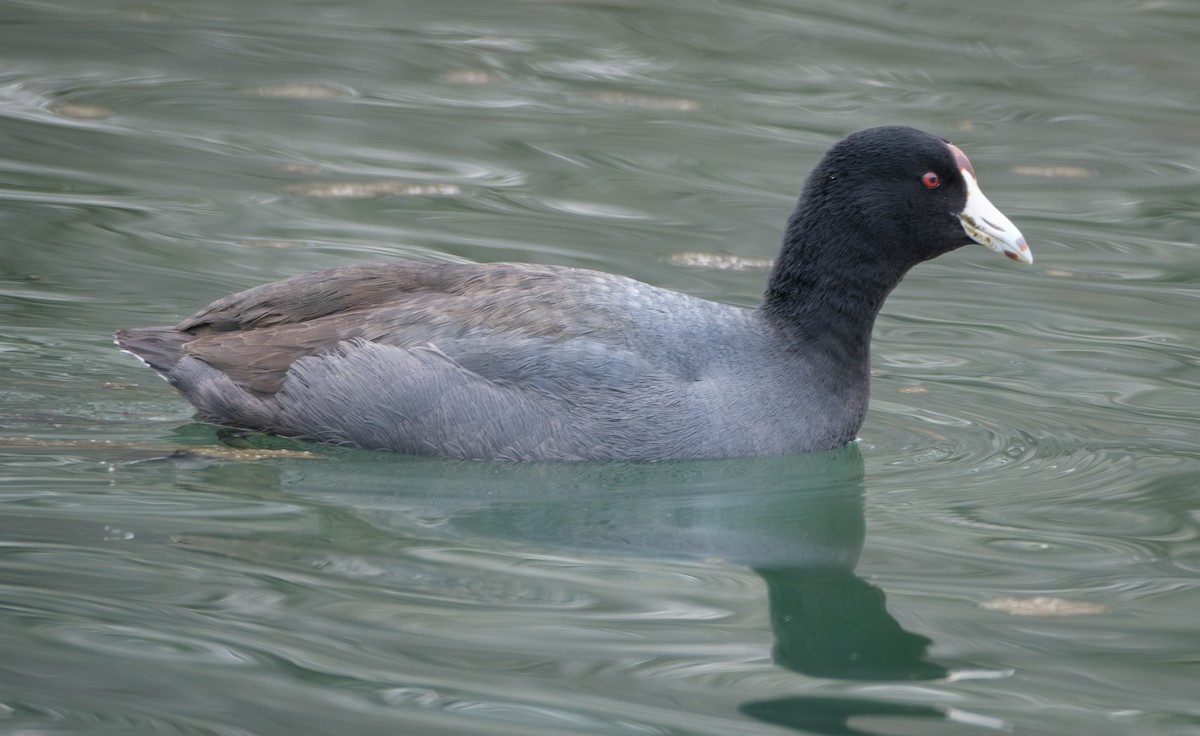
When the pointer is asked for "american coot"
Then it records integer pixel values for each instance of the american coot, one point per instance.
(524, 362)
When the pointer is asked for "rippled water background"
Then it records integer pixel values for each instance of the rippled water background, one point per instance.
(1013, 545)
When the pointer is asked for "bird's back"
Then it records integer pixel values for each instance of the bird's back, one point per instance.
(499, 361)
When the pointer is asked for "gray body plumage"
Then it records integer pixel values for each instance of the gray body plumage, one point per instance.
(505, 361)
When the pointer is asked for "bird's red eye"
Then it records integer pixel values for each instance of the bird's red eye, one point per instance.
(931, 180)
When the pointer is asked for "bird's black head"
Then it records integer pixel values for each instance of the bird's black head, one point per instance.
(880, 202)
(913, 195)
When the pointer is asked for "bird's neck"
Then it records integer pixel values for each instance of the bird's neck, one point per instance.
(828, 284)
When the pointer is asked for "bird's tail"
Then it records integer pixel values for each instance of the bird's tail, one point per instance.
(161, 348)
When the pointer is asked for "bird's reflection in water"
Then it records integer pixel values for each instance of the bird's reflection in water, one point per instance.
(796, 521)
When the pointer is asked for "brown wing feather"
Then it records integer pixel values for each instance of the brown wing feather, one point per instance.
(255, 336)
(259, 359)
(332, 291)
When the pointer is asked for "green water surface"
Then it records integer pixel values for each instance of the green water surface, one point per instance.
(1012, 547)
